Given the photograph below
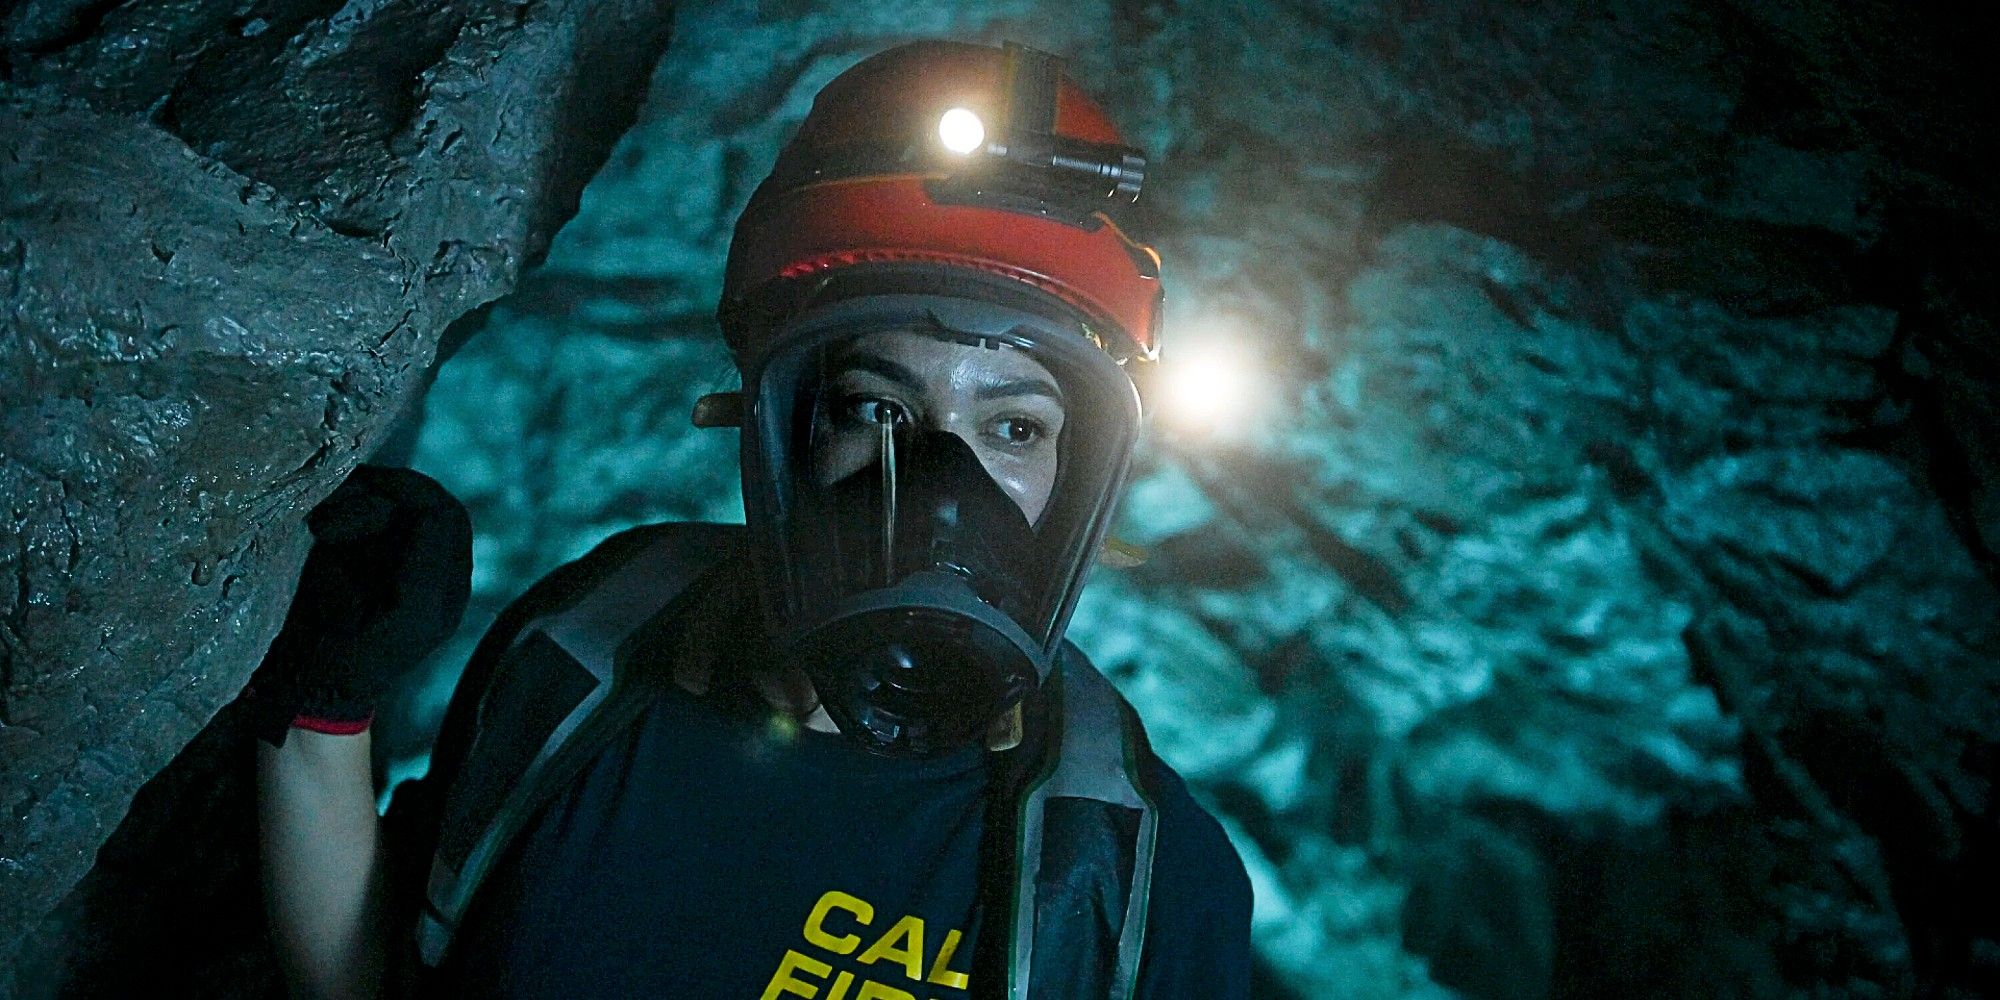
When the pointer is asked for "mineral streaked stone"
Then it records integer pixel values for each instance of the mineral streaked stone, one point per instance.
(226, 257)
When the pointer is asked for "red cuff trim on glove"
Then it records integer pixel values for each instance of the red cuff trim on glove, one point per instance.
(334, 727)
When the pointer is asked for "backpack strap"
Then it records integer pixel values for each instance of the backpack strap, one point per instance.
(548, 689)
(1083, 858)
(559, 692)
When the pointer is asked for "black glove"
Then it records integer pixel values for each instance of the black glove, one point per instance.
(385, 583)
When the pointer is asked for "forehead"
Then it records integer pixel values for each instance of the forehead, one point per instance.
(933, 359)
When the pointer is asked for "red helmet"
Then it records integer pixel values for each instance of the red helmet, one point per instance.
(871, 186)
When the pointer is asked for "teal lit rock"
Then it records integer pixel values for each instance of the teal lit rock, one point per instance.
(1578, 581)
(1595, 594)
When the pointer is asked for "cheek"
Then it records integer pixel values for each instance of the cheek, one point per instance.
(1026, 479)
(838, 455)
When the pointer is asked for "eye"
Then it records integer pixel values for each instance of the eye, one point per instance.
(1020, 430)
(876, 410)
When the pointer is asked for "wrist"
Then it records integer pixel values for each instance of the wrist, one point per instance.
(279, 705)
(333, 725)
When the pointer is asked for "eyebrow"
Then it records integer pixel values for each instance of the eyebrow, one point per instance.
(1019, 387)
(875, 364)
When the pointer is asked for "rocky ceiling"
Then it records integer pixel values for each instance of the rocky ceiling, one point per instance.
(1598, 600)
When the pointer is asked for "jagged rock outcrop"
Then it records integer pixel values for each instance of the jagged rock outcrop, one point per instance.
(230, 237)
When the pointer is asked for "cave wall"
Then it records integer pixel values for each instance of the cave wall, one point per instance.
(231, 235)
(1600, 599)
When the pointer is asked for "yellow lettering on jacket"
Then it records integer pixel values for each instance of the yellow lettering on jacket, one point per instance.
(941, 973)
(784, 981)
(840, 985)
(833, 935)
(904, 944)
(816, 923)
(872, 990)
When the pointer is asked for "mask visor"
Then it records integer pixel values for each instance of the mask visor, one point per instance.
(934, 475)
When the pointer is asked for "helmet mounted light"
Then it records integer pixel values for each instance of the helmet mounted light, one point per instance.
(961, 131)
(1112, 170)
(1027, 165)
(874, 178)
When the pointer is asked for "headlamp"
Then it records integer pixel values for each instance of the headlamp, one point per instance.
(961, 131)
(1027, 165)
(1114, 172)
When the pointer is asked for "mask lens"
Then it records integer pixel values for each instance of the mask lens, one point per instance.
(928, 506)
(934, 491)
(915, 681)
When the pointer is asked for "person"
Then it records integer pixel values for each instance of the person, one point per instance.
(842, 751)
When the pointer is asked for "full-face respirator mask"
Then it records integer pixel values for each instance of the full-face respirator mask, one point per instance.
(939, 317)
(928, 479)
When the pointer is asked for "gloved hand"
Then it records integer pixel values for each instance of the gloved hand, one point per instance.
(385, 582)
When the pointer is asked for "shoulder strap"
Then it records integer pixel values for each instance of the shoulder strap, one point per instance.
(1083, 858)
(548, 704)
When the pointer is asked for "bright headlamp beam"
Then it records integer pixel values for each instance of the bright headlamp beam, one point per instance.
(961, 131)
(1208, 393)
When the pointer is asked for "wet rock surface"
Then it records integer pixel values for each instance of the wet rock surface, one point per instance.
(172, 903)
(230, 237)
(1599, 598)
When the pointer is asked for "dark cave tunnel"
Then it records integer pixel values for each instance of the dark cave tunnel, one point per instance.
(1593, 595)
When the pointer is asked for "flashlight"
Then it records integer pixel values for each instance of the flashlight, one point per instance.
(1209, 392)
(961, 131)
(1046, 160)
